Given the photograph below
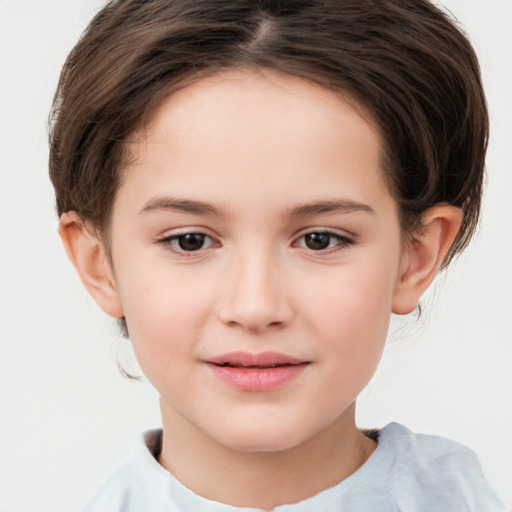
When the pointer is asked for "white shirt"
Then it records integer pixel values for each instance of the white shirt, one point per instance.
(407, 472)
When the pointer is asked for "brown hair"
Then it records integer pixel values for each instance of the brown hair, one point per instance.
(405, 61)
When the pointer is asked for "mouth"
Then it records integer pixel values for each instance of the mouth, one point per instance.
(263, 360)
(266, 371)
(256, 366)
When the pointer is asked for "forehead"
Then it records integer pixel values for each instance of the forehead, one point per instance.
(257, 131)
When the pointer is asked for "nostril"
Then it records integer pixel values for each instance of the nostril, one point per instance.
(255, 309)
(256, 327)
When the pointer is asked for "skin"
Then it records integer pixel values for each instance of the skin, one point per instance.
(256, 162)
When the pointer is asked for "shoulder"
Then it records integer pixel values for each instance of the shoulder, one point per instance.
(441, 472)
(114, 495)
(126, 490)
(421, 449)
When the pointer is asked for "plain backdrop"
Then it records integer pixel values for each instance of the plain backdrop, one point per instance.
(67, 417)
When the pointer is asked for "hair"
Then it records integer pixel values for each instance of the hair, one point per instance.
(405, 62)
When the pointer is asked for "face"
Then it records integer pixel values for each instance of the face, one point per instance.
(255, 252)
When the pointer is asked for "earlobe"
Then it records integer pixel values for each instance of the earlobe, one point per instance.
(424, 255)
(87, 254)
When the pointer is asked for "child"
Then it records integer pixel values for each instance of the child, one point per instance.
(252, 188)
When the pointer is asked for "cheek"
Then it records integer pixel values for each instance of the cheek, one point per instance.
(358, 296)
(165, 315)
(351, 312)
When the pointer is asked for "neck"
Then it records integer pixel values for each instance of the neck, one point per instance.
(263, 479)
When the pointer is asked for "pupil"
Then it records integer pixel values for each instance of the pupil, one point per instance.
(191, 242)
(317, 241)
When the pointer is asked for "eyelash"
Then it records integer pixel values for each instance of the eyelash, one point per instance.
(173, 242)
(342, 242)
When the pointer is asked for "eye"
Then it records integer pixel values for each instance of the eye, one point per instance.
(323, 241)
(188, 242)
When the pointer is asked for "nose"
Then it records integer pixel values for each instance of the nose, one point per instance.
(255, 293)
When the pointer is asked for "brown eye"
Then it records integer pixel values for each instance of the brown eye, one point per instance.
(317, 241)
(323, 241)
(188, 243)
(191, 241)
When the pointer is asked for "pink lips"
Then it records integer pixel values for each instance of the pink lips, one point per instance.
(265, 371)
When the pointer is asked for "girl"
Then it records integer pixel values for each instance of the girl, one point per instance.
(252, 188)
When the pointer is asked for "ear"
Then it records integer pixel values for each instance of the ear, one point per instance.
(88, 254)
(424, 255)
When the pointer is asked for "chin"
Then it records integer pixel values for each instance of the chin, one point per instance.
(258, 438)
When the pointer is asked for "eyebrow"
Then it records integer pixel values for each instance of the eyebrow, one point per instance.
(326, 207)
(181, 205)
(307, 210)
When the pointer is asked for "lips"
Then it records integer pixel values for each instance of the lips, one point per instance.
(261, 372)
(261, 360)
